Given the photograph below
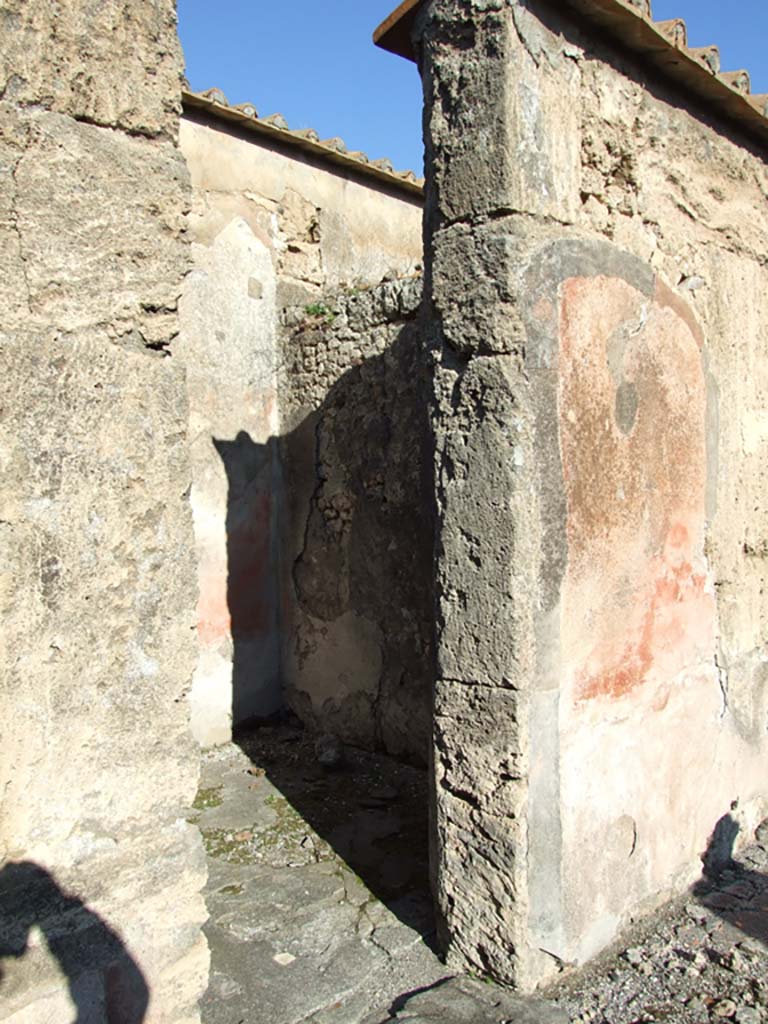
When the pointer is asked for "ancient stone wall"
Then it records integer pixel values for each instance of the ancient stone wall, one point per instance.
(100, 906)
(358, 537)
(596, 251)
(274, 229)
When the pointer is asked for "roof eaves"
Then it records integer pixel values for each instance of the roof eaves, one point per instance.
(662, 44)
(245, 115)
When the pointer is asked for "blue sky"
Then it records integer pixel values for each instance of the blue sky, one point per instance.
(314, 62)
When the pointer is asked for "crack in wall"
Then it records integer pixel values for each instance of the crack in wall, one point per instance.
(15, 221)
(722, 682)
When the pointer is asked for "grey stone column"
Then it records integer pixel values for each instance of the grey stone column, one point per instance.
(500, 163)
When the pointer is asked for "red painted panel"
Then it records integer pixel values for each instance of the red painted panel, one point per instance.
(637, 606)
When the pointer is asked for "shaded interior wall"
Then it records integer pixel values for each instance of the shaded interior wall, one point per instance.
(358, 537)
(100, 906)
(598, 321)
(271, 230)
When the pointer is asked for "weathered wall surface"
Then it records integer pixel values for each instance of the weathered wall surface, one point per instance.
(599, 330)
(99, 888)
(358, 537)
(228, 343)
(325, 227)
(271, 230)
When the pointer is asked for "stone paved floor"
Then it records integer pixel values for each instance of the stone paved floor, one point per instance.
(318, 886)
(320, 911)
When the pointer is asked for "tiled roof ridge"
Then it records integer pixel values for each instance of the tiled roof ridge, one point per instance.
(662, 43)
(275, 126)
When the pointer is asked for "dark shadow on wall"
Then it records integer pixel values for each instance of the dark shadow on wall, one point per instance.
(252, 573)
(105, 983)
(357, 529)
(355, 540)
(733, 889)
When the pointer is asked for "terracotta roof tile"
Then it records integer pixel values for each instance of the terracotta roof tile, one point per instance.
(247, 108)
(662, 43)
(709, 55)
(215, 103)
(277, 121)
(216, 96)
(738, 80)
(675, 30)
(335, 143)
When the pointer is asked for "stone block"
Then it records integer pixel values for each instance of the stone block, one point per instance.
(98, 247)
(66, 59)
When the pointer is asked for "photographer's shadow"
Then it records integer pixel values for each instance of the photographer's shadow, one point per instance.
(730, 888)
(105, 983)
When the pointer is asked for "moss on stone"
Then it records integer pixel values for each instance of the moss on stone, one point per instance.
(290, 830)
(207, 798)
(224, 844)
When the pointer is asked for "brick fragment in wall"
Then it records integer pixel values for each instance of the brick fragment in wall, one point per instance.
(300, 251)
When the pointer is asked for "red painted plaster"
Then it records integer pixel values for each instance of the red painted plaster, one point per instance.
(233, 599)
(637, 605)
